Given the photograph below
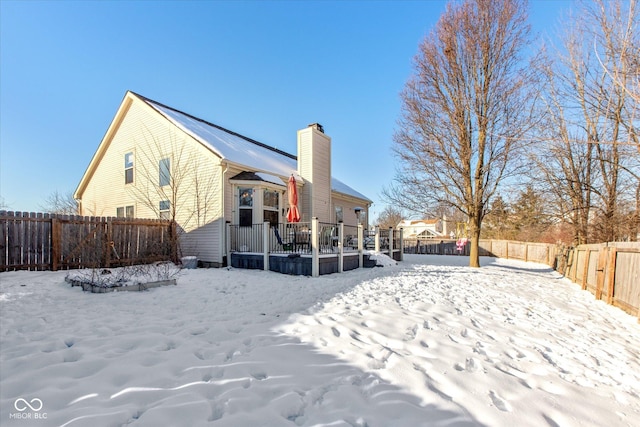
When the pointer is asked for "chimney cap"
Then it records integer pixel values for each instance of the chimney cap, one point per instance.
(317, 126)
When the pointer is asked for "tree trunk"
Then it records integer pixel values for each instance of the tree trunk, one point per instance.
(474, 247)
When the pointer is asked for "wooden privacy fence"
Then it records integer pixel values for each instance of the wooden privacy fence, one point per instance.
(610, 271)
(434, 247)
(544, 253)
(526, 251)
(40, 241)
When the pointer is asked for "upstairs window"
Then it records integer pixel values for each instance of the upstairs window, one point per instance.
(128, 168)
(339, 216)
(164, 168)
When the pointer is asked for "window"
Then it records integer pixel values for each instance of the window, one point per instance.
(339, 214)
(125, 212)
(362, 217)
(271, 204)
(128, 168)
(165, 207)
(164, 168)
(245, 205)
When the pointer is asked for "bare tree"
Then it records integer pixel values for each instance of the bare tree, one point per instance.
(3, 203)
(587, 156)
(465, 111)
(565, 157)
(623, 41)
(60, 203)
(390, 217)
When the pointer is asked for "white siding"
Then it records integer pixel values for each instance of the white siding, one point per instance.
(305, 171)
(314, 163)
(197, 190)
(348, 209)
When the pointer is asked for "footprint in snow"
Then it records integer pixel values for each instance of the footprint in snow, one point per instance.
(476, 323)
(411, 333)
(335, 331)
(499, 402)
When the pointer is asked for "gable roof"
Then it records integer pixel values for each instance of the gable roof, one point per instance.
(239, 149)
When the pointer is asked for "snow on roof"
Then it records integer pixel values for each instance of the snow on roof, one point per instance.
(259, 176)
(410, 222)
(229, 145)
(239, 149)
(340, 187)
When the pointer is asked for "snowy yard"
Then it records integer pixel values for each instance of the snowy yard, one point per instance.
(427, 342)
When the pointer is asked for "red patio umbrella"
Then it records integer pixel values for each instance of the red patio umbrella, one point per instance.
(292, 192)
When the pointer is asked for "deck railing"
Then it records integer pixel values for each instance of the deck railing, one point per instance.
(311, 239)
(290, 238)
(247, 238)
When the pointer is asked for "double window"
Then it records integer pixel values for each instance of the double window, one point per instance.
(125, 212)
(265, 199)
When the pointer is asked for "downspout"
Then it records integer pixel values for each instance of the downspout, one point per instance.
(223, 226)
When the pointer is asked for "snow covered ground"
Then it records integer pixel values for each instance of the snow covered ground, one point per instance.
(427, 342)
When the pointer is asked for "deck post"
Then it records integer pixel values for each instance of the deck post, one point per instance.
(377, 239)
(360, 245)
(265, 244)
(401, 244)
(391, 242)
(340, 248)
(315, 259)
(227, 242)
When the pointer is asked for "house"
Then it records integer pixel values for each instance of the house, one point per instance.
(424, 228)
(158, 162)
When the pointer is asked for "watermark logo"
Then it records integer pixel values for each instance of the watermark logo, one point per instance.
(28, 410)
(22, 405)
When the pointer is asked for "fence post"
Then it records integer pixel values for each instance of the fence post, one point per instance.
(340, 249)
(265, 244)
(612, 274)
(600, 271)
(585, 270)
(315, 260)
(107, 242)
(360, 245)
(55, 243)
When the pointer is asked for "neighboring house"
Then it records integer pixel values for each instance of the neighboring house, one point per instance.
(423, 228)
(158, 162)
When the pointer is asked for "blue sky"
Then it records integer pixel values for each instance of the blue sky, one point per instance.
(262, 69)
